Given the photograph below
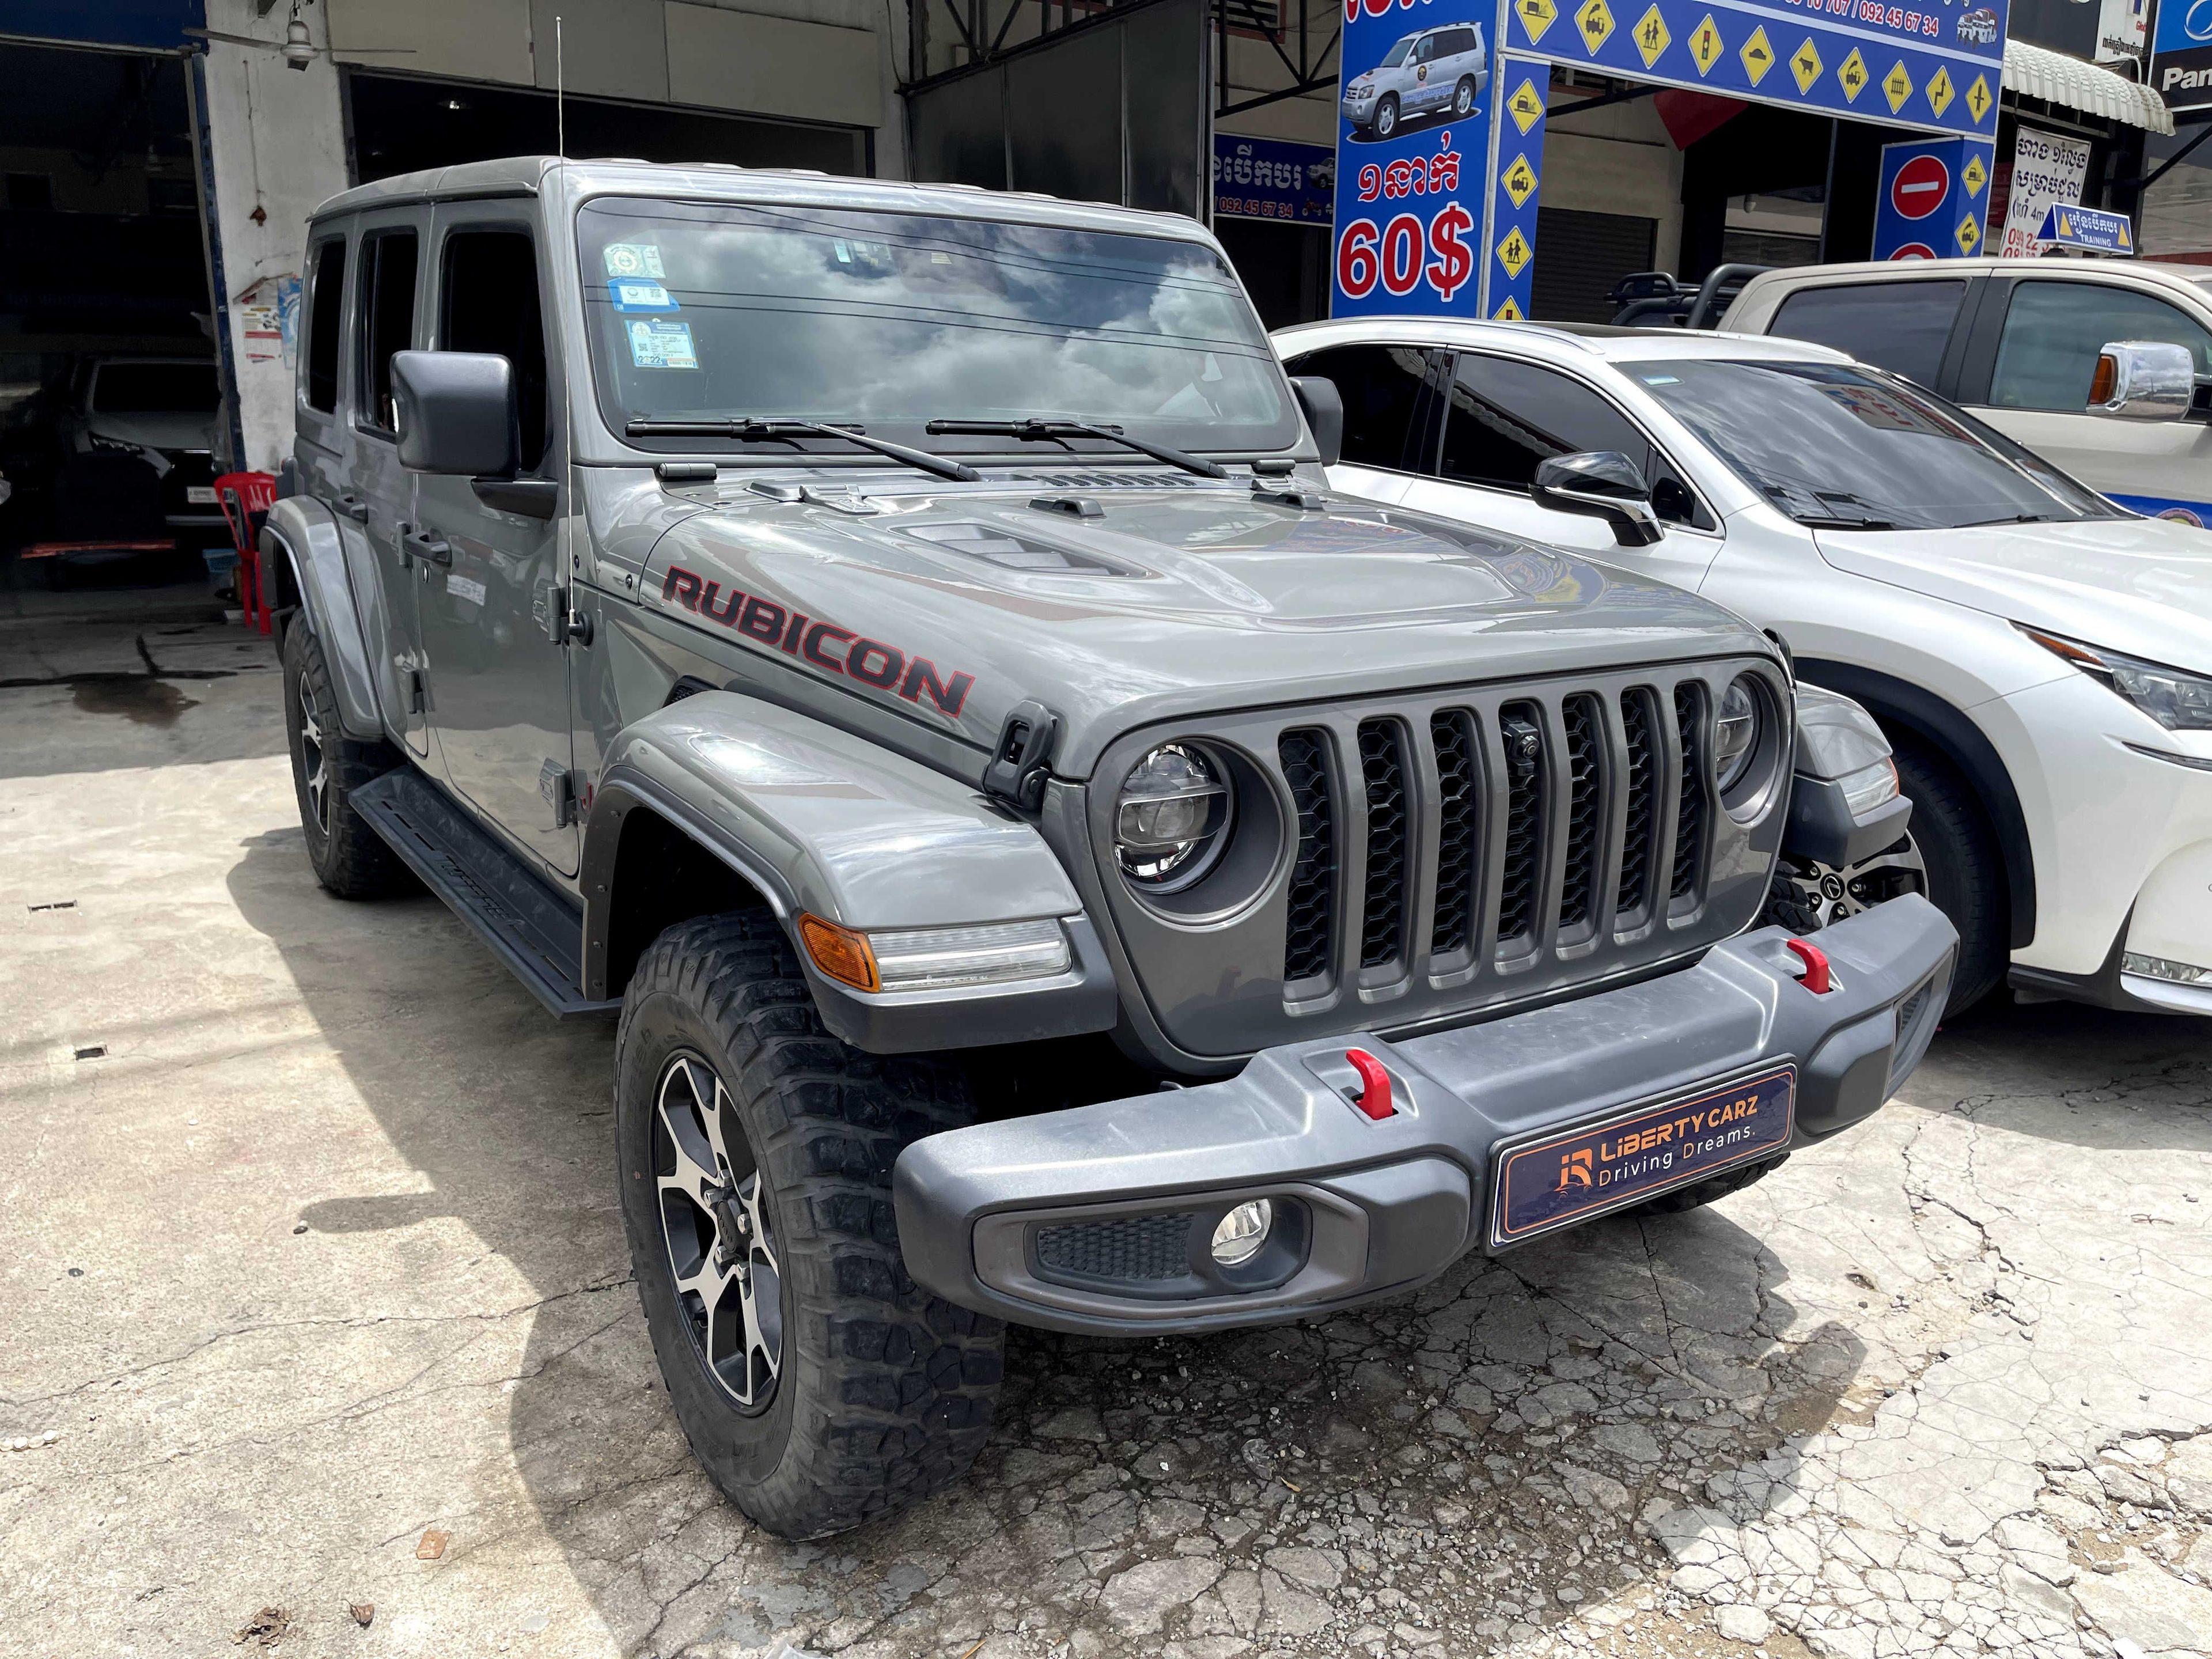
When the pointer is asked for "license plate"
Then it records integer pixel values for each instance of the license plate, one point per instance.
(1573, 1175)
(200, 495)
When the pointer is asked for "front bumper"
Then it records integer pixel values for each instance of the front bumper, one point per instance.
(1098, 1219)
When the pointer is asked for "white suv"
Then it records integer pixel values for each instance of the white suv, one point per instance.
(2041, 659)
(2018, 341)
(1434, 68)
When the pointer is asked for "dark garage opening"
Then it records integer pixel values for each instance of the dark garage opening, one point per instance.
(110, 400)
(404, 123)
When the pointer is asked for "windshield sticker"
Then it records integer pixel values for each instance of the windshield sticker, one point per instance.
(661, 344)
(1663, 380)
(639, 293)
(634, 259)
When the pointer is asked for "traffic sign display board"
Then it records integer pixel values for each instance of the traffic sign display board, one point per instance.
(1934, 198)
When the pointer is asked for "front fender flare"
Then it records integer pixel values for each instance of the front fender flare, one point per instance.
(304, 533)
(822, 821)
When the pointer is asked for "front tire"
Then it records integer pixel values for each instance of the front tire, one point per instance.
(1966, 871)
(348, 858)
(817, 1384)
(1386, 115)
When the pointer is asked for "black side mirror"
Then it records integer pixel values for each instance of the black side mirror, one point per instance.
(1602, 483)
(1324, 406)
(456, 412)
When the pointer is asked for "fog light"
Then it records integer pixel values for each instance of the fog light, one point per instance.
(1243, 1232)
(2174, 973)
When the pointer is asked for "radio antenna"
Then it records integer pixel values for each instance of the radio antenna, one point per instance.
(560, 93)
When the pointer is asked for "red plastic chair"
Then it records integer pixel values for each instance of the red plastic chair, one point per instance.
(245, 499)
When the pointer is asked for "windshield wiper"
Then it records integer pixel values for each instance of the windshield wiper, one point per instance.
(1060, 431)
(783, 429)
(2014, 518)
(1814, 521)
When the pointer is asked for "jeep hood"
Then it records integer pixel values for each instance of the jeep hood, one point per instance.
(2141, 587)
(955, 606)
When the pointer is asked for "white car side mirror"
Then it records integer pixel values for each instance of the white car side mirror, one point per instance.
(2142, 380)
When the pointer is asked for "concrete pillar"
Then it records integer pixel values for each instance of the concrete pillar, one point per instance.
(277, 136)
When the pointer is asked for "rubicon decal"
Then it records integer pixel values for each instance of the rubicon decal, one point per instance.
(1577, 1173)
(819, 643)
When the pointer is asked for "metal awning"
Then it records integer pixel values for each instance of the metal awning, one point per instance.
(2038, 72)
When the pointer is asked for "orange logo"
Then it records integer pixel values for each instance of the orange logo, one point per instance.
(1574, 1169)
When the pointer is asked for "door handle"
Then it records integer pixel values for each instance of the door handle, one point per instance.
(354, 507)
(429, 544)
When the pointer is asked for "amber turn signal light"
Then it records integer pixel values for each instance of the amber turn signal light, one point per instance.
(841, 953)
(2100, 382)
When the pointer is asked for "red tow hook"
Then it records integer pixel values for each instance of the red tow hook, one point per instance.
(1815, 976)
(1374, 1096)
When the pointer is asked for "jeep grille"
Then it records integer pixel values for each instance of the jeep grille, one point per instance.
(1448, 851)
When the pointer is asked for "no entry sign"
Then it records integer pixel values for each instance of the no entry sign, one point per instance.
(1920, 186)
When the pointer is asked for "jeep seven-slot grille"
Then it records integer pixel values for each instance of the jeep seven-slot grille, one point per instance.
(1574, 825)
(1452, 731)
(1312, 921)
(1690, 816)
(1383, 922)
(1642, 803)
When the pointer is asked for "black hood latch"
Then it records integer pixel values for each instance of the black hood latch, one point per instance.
(1021, 760)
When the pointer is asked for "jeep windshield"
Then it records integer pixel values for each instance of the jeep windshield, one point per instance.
(710, 312)
(1848, 448)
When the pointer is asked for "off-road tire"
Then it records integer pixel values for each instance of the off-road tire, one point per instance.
(1966, 871)
(1785, 907)
(885, 1393)
(1698, 1194)
(348, 858)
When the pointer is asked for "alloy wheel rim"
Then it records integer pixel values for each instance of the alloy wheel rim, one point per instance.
(1463, 99)
(1386, 120)
(1833, 894)
(314, 768)
(721, 1251)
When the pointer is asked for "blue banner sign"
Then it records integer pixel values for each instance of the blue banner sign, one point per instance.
(1933, 200)
(2094, 230)
(1413, 157)
(1511, 275)
(1935, 64)
(2181, 54)
(1272, 179)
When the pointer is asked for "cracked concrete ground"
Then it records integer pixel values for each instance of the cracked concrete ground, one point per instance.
(315, 1298)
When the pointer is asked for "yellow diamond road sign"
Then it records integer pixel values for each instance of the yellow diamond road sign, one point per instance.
(1851, 73)
(1976, 175)
(1897, 86)
(1514, 251)
(1536, 16)
(1758, 57)
(1526, 105)
(1940, 92)
(1651, 36)
(1805, 64)
(1519, 180)
(1594, 20)
(1706, 44)
(1969, 234)
(1508, 312)
(1978, 99)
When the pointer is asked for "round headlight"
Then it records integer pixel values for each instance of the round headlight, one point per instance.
(1736, 732)
(1171, 818)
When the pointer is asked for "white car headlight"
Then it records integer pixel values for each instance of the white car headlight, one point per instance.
(2176, 699)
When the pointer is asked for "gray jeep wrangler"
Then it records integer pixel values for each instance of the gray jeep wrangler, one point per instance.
(891, 644)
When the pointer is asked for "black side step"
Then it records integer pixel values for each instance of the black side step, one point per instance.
(534, 930)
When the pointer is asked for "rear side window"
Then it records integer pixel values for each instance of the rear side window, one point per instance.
(1901, 326)
(1381, 387)
(1457, 41)
(386, 320)
(2053, 330)
(489, 303)
(325, 322)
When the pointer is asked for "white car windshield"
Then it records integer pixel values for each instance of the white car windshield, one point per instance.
(1396, 55)
(702, 313)
(1838, 447)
